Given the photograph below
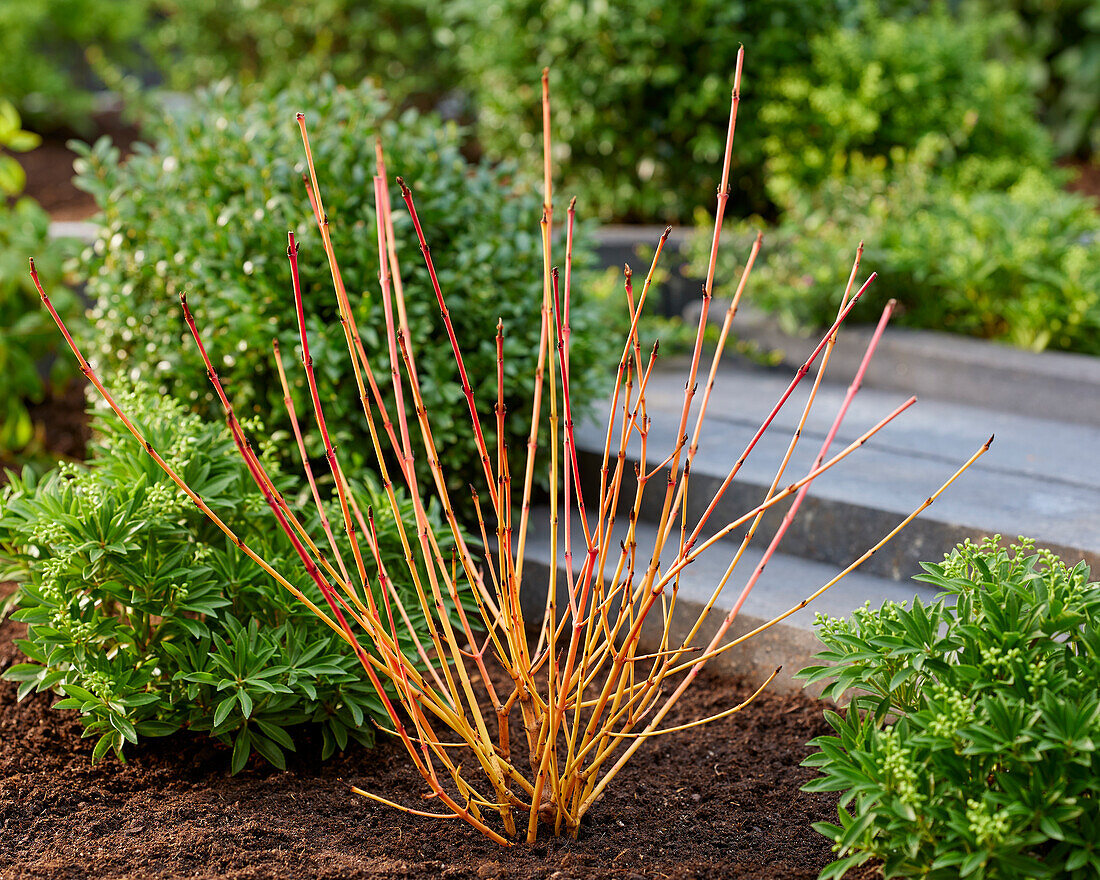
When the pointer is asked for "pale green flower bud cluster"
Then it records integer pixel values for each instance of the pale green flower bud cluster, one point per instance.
(988, 827)
(953, 711)
(898, 769)
(969, 745)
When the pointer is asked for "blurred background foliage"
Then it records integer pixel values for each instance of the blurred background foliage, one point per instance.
(944, 133)
(28, 339)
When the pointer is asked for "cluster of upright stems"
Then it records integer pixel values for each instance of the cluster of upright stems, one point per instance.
(584, 691)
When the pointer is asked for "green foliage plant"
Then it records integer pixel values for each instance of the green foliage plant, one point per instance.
(834, 78)
(1060, 40)
(586, 694)
(148, 620)
(43, 43)
(15, 140)
(970, 745)
(1020, 265)
(28, 344)
(275, 43)
(206, 210)
(895, 79)
(27, 339)
(645, 86)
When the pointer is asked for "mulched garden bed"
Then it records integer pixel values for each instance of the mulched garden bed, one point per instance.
(721, 801)
(64, 421)
(62, 424)
(1087, 178)
(49, 167)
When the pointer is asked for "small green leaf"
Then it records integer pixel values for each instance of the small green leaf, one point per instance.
(269, 750)
(276, 733)
(156, 728)
(105, 742)
(241, 748)
(80, 693)
(22, 672)
(124, 727)
(143, 699)
(223, 710)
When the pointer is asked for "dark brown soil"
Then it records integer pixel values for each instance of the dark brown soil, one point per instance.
(50, 168)
(1087, 180)
(63, 420)
(61, 425)
(718, 802)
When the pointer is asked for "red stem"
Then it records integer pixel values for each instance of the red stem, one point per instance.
(467, 391)
(775, 411)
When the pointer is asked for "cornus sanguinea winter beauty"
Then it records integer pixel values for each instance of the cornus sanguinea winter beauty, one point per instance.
(516, 721)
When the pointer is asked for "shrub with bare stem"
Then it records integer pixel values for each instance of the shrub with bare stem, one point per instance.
(587, 695)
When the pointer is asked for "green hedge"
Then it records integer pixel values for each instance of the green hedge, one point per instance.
(281, 43)
(1019, 265)
(29, 341)
(640, 91)
(894, 82)
(207, 210)
(28, 338)
(1060, 41)
(43, 43)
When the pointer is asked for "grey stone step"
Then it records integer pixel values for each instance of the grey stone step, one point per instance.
(786, 581)
(1041, 478)
(990, 375)
(616, 245)
(84, 231)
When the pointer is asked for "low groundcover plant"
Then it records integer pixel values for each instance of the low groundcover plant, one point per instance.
(587, 694)
(148, 620)
(970, 748)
